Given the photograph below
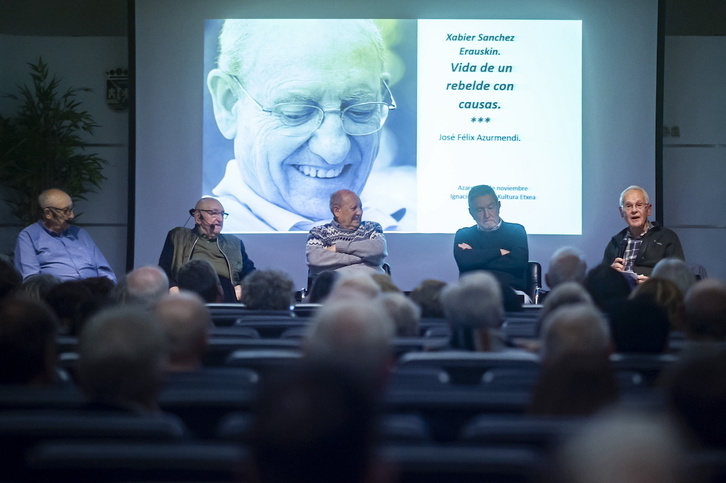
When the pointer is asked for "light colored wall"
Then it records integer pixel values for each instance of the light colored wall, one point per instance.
(80, 62)
(694, 163)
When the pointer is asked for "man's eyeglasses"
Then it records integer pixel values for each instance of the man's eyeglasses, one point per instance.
(215, 213)
(638, 206)
(303, 119)
(63, 211)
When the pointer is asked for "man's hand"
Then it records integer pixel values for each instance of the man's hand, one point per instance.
(464, 246)
(642, 278)
(237, 292)
(173, 290)
(331, 248)
(618, 264)
(504, 252)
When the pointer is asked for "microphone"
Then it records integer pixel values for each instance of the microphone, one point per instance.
(191, 212)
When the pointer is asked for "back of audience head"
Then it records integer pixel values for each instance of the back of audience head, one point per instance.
(574, 329)
(267, 290)
(37, 286)
(198, 276)
(28, 332)
(474, 309)
(321, 286)
(626, 447)
(695, 388)
(607, 287)
(122, 353)
(640, 326)
(667, 295)
(354, 334)
(705, 311)
(143, 286)
(427, 295)
(354, 286)
(475, 300)
(69, 301)
(567, 293)
(186, 321)
(316, 423)
(10, 278)
(677, 271)
(406, 315)
(566, 265)
(577, 384)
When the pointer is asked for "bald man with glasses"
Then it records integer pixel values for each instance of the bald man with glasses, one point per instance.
(56, 247)
(304, 102)
(205, 241)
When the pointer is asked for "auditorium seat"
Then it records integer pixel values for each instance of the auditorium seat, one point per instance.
(221, 346)
(537, 432)
(264, 361)
(465, 367)
(138, 461)
(271, 324)
(649, 366)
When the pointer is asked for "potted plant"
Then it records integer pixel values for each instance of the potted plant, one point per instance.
(41, 146)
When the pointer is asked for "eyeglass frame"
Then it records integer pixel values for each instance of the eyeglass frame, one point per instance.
(64, 211)
(391, 106)
(214, 213)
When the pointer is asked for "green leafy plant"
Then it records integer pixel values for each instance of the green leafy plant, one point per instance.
(41, 146)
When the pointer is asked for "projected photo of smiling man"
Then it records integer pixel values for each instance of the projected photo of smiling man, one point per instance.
(304, 102)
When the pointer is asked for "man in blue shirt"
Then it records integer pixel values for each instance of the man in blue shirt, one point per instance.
(54, 246)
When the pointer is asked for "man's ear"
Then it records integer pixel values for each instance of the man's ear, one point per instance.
(224, 97)
(622, 213)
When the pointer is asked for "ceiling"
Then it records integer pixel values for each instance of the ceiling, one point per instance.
(110, 17)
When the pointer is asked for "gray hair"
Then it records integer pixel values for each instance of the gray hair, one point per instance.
(631, 188)
(566, 265)
(356, 335)
(405, 313)
(186, 321)
(677, 271)
(122, 354)
(267, 290)
(476, 300)
(143, 286)
(240, 38)
(574, 328)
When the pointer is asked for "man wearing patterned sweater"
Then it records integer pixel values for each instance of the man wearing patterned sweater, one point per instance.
(346, 243)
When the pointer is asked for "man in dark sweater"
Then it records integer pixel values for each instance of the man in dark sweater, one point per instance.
(492, 244)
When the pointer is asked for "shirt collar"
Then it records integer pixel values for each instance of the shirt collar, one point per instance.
(495, 228)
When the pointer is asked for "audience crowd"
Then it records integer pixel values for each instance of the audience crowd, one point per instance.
(321, 420)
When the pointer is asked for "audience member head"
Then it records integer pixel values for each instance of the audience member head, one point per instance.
(198, 276)
(406, 315)
(473, 308)
(10, 278)
(607, 287)
(566, 265)
(122, 353)
(575, 385)
(666, 294)
(316, 423)
(143, 286)
(28, 331)
(321, 287)
(186, 321)
(354, 286)
(37, 286)
(677, 271)
(566, 293)
(574, 329)
(69, 301)
(267, 290)
(354, 334)
(475, 299)
(705, 311)
(385, 282)
(640, 326)
(695, 388)
(625, 447)
(427, 295)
